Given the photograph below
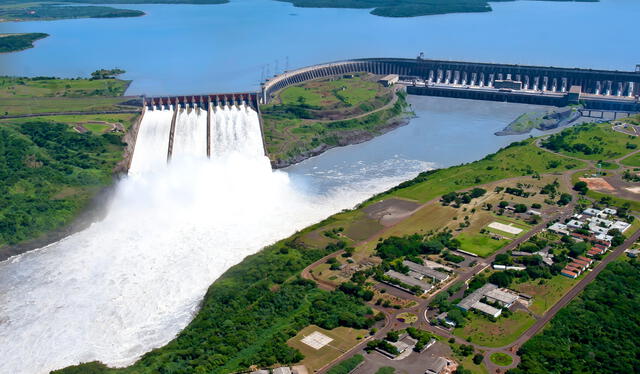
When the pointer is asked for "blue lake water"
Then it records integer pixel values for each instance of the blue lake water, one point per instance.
(188, 49)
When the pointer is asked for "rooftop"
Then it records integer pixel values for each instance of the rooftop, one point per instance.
(477, 295)
(502, 296)
(408, 280)
(431, 273)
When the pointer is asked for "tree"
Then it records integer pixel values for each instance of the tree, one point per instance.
(565, 199)
(520, 208)
(581, 187)
(477, 358)
(501, 279)
(503, 204)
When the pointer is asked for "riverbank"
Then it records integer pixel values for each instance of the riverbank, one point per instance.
(543, 121)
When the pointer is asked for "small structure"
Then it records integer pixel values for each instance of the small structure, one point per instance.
(434, 275)
(436, 366)
(408, 280)
(592, 212)
(609, 211)
(633, 253)
(472, 301)
(282, 370)
(559, 228)
(507, 84)
(508, 267)
(575, 224)
(568, 273)
(389, 80)
(501, 297)
(444, 318)
(573, 96)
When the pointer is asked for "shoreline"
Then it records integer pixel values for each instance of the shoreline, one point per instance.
(361, 137)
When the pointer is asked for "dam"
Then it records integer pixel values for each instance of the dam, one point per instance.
(542, 85)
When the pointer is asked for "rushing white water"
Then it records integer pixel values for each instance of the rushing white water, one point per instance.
(131, 282)
(152, 142)
(190, 138)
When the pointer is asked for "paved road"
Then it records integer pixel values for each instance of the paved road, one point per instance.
(76, 113)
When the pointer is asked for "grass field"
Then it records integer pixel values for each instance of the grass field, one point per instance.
(633, 160)
(343, 339)
(495, 334)
(467, 361)
(501, 359)
(596, 142)
(481, 244)
(518, 160)
(547, 294)
(341, 92)
(32, 95)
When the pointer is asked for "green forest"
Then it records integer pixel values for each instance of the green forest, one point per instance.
(47, 173)
(596, 333)
(19, 42)
(45, 11)
(405, 8)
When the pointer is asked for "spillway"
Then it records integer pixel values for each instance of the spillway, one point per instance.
(190, 136)
(133, 281)
(152, 141)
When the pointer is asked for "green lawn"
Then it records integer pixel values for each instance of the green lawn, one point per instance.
(633, 160)
(592, 142)
(545, 294)
(336, 92)
(480, 244)
(501, 359)
(517, 160)
(495, 334)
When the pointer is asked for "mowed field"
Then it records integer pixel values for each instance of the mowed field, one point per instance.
(343, 339)
(32, 96)
(495, 334)
(610, 144)
(545, 292)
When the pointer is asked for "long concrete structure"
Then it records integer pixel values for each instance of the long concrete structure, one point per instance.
(596, 89)
(203, 101)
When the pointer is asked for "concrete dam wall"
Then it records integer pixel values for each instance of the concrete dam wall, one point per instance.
(597, 89)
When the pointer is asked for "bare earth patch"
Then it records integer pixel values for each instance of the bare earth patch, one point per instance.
(391, 211)
(598, 184)
(633, 189)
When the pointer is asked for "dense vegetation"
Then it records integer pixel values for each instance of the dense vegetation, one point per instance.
(47, 172)
(403, 8)
(250, 312)
(346, 366)
(44, 11)
(19, 42)
(596, 333)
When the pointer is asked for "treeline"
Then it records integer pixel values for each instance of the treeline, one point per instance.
(39, 160)
(596, 333)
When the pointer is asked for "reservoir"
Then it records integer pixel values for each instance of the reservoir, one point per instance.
(191, 49)
(132, 282)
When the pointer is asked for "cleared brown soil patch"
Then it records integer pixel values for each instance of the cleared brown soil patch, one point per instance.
(598, 184)
(391, 211)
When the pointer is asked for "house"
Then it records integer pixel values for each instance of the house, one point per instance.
(472, 301)
(569, 274)
(609, 211)
(501, 297)
(594, 252)
(559, 228)
(407, 280)
(588, 260)
(575, 224)
(533, 212)
(633, 253)
(436, 366)
(434, 275)
(592, 212)
(620, 225)
(604, 238)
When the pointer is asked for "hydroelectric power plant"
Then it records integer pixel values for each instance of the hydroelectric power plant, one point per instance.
(134, 280)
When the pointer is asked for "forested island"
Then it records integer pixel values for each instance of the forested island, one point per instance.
(406, 8)
(48, 11)
(19, 42)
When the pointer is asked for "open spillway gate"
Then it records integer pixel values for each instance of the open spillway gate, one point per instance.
(206, 103)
